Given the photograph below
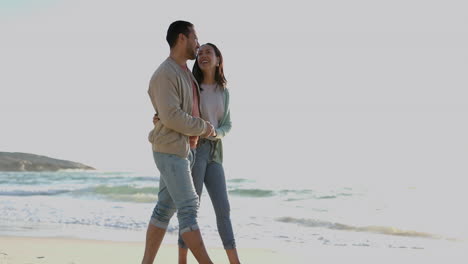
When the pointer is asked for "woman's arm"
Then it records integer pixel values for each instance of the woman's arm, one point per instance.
(225, 128)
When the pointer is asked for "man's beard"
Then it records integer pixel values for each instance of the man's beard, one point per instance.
(191, 54)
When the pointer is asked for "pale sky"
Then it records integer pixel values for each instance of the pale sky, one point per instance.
(344, 90)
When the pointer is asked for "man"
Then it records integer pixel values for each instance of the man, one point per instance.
(174, 94)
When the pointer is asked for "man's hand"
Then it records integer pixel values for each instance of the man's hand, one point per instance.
(210, 131)
(155, 119)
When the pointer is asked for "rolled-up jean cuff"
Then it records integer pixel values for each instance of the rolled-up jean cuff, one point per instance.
(189, 228)
(231, 246)
(158, 223)
(182, 245)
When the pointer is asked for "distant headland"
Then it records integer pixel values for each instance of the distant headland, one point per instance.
(16, 161)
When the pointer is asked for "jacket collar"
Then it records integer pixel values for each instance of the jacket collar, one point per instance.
(181, 71)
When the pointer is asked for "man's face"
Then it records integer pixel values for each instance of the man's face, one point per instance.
(192, 44)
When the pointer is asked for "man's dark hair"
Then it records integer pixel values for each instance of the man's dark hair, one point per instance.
(175, 29)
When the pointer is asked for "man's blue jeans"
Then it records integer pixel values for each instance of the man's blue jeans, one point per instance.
(176, 192)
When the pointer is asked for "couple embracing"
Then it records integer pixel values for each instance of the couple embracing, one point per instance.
(192, 117)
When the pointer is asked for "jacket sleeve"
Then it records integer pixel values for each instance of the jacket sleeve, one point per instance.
(225, 128)
(167, 103)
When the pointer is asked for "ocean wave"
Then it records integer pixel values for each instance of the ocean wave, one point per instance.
(124, 189)
(33, 192)
(290, 191)
(30, 178)
(258, 192)
(252, 192)
(289, 194)
(116, 193)
(146, 178)
(385, 230)
(126, 193)
(239, 180)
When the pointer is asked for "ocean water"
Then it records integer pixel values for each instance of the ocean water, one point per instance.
(117, 206)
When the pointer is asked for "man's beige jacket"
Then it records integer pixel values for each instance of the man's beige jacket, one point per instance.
(171, 94)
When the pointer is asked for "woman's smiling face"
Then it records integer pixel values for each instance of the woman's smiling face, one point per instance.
(207, 58)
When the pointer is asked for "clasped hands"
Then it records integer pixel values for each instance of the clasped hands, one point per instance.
(210, 131)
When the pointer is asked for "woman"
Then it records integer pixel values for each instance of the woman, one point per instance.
(208, 169)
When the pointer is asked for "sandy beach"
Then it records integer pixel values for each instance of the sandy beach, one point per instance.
(26, 250)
